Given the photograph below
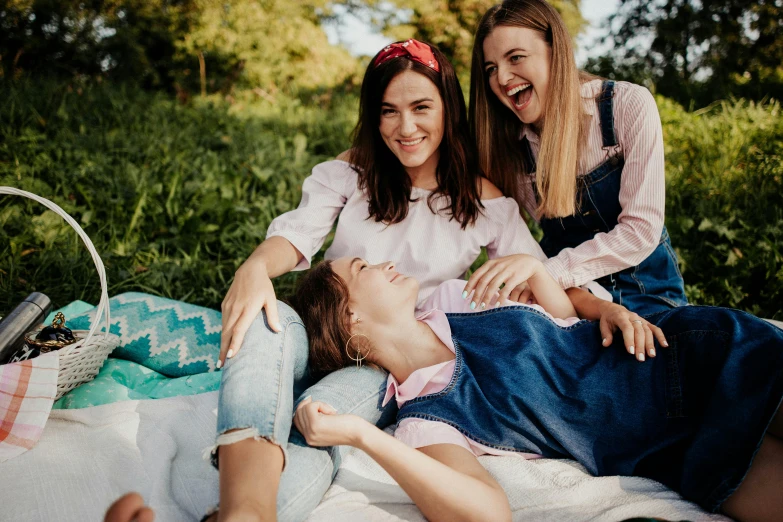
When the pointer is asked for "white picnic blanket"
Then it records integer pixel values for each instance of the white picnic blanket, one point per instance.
(87, 458)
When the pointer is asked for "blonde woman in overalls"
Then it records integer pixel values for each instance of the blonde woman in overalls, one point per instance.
(583, 156)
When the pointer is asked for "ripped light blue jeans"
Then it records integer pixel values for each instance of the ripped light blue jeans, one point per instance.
(259, 389)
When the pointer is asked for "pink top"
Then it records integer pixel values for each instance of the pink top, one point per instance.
(428, 246)
(417, 433)
(642, 192)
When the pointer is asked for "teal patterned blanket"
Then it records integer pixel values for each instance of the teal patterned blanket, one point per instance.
(171, 337)
(167, 348)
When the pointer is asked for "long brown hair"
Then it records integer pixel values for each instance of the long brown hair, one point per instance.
(496, 130)
(321, 300)
(381, 174)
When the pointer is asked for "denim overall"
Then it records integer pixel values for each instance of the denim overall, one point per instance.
(656, 283)
(691, 418)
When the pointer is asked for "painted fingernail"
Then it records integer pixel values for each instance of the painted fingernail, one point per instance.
(483, 305)
(473, 305)
(230, 354)
(277, 327)
(652, 352)
(219, 364)
(631, 350)
(665, 344)
(497, 303)
(604, 341)
(465, 294)
(640, 356)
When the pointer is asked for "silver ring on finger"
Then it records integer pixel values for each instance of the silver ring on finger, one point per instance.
(637, 321)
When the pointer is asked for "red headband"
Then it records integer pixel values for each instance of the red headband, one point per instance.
(413, 49)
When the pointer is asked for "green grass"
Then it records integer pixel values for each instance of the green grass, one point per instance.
(176, 196)
(724, 202)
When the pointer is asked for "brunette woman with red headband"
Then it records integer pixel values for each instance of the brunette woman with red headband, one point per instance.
(409, 189)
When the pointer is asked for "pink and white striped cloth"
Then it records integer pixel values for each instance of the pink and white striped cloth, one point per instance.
(642, 187)
(27, 391)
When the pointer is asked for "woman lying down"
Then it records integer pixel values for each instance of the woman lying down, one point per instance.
(703, 417)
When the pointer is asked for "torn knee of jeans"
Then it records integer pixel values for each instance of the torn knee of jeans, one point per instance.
(231, 437)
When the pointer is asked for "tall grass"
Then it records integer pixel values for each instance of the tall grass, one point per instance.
(176, 196)
(724, 202)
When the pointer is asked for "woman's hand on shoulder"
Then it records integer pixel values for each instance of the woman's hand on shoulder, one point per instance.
(638, 334)
(322, 425)
(511, 272)
(488, 190)
(250, 292)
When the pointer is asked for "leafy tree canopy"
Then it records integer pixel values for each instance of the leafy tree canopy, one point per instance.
(159, 43)
(698, 51)
(449, 24)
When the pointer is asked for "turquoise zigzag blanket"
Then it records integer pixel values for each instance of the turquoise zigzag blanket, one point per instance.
(173, 338)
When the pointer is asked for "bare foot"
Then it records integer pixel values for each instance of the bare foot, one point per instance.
(129, 508)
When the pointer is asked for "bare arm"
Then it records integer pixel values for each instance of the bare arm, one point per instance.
(275, 256)
(445, 481)
(511, 271)
(549, 294)
(586, 304)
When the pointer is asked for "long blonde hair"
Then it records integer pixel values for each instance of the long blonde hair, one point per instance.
(496, 129)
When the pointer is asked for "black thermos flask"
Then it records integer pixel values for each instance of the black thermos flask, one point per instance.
(25, 317)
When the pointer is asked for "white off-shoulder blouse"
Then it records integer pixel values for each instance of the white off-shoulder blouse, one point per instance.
(428, 246)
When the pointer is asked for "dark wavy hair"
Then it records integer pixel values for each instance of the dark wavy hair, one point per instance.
(321, 300)
(382, 175)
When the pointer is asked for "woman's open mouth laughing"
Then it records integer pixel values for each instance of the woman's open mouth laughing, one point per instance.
(521, 95)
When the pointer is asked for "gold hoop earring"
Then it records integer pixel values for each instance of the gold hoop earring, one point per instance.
(357, 359)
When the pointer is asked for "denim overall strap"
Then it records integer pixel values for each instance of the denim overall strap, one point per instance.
(606, 112)
(527, 156)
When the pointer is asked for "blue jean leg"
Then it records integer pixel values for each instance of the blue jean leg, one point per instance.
(358, 391)
(256, 399)
(257, 385)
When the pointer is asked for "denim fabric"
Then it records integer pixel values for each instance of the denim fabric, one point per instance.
(691, 418)
(656, 283)
(259, 388)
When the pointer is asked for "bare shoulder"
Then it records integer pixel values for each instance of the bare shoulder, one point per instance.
(345, 155)
(489, 190)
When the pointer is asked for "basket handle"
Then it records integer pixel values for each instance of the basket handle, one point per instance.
(103, 304)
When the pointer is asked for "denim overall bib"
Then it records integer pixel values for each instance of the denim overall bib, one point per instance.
(656, 283)
(692, 417)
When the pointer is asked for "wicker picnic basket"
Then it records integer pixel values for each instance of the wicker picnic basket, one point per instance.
(80, 361)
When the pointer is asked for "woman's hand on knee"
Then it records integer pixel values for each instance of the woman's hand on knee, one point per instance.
(321, 425)
(638, 334)
(251, 292)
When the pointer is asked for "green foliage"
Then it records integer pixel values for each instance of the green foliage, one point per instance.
(175, 197)
(693, 50)
(124, 39)
(166, 44)
(724, 202)
(274, 44)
